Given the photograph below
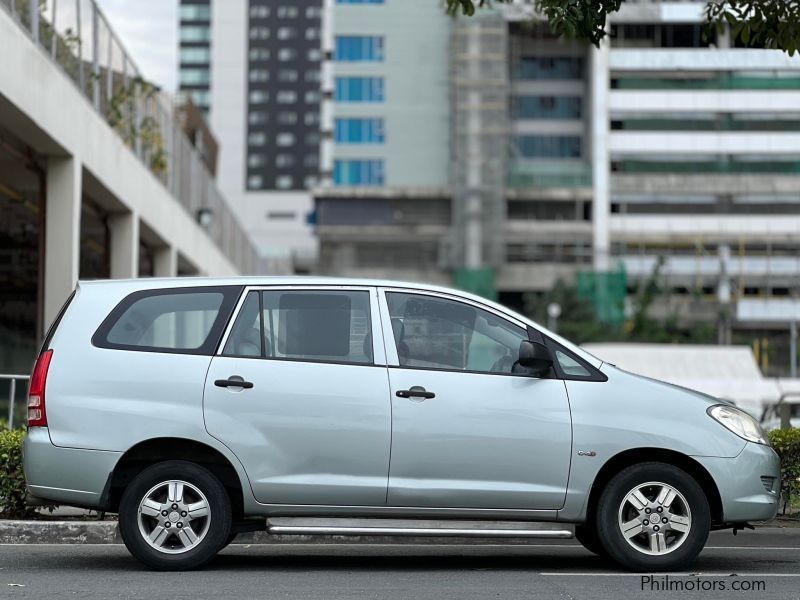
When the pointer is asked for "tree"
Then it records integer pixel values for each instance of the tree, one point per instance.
(766, 23)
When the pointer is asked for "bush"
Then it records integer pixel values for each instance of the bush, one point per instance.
(787, 444)
(12, 478)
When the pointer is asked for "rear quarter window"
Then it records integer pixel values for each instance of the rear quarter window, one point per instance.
(177, 320)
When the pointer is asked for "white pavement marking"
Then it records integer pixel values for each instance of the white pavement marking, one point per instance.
(717, 575)
(752, 548)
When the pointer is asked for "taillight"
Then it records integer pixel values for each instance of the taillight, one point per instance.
(37, 416)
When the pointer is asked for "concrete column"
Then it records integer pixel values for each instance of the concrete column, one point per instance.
(601, 206)
(326, 151)
(124, 245)
(165, 262)
(62, 233)
(473, 196)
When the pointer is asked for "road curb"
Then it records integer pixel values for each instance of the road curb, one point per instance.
(107, 532)
(59, 532)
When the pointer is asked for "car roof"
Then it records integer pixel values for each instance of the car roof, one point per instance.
(145, 283)
(151, 282)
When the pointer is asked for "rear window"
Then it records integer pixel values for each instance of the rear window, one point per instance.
(181, 320)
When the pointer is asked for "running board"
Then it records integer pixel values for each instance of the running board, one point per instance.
(417, 528)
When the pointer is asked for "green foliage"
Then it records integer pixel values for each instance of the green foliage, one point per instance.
(768, 23)
(467, 7)
(12, 477)
(581, 19)
(123, 107)
(763, 23)
(787, 444)
(579, 321)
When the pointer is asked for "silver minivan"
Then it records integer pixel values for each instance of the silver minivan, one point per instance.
(197, 409)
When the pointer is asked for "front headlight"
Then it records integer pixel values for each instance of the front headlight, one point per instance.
(739, 422)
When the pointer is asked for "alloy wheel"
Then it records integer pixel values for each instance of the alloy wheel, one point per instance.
(174, 517)
(655, 518)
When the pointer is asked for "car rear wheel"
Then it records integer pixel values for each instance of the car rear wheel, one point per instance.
(653, 517)
(175, 515)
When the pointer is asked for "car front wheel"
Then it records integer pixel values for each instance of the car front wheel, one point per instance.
(586, 534)
(653, 517)
(174, 516)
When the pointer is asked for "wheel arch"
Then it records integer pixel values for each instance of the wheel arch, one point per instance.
(156, 450)
(634, 456)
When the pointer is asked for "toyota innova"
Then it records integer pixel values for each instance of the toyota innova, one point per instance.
(197, 409)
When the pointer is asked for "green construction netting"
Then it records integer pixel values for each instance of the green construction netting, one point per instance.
(606, 291)
(476, 281)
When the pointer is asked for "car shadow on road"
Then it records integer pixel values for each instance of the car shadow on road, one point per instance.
(572, 560)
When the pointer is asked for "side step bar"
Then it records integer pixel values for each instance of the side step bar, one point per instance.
(417, 528)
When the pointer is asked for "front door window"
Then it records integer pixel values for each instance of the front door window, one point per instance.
(437, 333)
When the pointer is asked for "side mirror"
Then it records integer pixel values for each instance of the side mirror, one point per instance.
(535, 356)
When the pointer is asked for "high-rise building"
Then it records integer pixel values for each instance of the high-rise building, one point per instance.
(540, 157)
(194, 51)
(262, 95)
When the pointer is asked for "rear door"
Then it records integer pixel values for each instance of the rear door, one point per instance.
(311, 420)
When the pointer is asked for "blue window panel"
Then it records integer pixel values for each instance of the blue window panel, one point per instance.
(549, 146)
(548, 107)
(359, 89)
(549, 67)
(359, 131)
(359, 48)
(358, 172)
(359, 1)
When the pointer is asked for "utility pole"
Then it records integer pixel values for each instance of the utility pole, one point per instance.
(724, 297)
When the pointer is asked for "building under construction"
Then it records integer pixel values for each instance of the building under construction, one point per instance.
(509, 159)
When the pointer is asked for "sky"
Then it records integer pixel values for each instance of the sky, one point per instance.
(148, 30)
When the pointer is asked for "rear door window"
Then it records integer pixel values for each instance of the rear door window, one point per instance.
(182, 320)
(307, 325)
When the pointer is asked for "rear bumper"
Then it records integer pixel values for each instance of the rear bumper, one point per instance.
(69, 476)
(743, 494)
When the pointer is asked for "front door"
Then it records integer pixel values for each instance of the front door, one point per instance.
(311, 420)
(469, 430)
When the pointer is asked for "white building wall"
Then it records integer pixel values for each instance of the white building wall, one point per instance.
(62, 125)
(664, 229)
(229, 96)
(416, 73)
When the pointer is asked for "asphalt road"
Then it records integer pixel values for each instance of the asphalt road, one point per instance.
(766, 562)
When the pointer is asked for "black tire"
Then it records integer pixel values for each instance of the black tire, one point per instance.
(608, 509)
(219, 525)
(586, 534)
(229, 541)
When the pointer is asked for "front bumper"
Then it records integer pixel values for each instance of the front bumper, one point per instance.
(744, 495)
(71, 476)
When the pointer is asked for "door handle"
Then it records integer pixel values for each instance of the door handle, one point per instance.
(233, 381)
(415, 392)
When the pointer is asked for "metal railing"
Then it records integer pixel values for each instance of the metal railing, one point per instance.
(12, 392)
(568, 174)
(79, 39)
